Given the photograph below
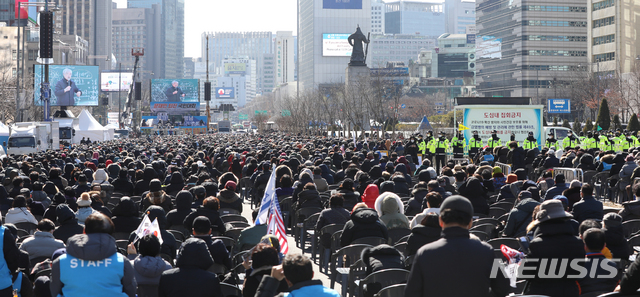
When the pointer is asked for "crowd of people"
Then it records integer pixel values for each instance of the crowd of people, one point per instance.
(71, 219)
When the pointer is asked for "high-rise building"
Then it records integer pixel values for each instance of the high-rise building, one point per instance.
(189, 68)
(377, 16)
(241, 67)
(284, 57)
(613, 27)
(323, 51)
(529, 48)
(223, 45)
(268, 73)
(91, 20)
(171, 27)
(454, 58)
(459, 14)
(138, 27)
(397, 48)
(415, 17)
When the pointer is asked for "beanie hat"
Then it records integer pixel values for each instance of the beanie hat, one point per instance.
(230, 185)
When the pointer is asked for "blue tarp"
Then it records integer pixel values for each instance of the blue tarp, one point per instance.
(424, 125)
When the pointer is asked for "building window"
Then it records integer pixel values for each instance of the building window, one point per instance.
(554, 53)
(603, 4)
(604, 57)
(554, 38)
(604, 39)
(604, 22)
(554, 8)
(555, 23)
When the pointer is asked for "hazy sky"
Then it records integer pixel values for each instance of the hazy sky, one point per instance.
(233, 16)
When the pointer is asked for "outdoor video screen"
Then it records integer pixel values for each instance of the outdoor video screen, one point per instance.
(70, 85)
(336, 45)
(162, 120)
(109, 81)
(174, 90)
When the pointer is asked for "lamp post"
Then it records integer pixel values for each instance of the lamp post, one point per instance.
(119, 95)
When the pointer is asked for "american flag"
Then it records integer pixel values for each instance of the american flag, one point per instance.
(276, 226)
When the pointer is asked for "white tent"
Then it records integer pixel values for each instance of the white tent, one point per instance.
(4, 134)
(89, 128)
(111, 129)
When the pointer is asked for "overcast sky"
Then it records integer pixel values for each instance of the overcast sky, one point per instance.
(233, 16)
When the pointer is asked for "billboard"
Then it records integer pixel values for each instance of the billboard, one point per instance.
(235, 68)
(177, 121)
(488, 47)
(505, 120)
(174, 107)
(109, 81)
(336, 45)
(342, 4)
(559, 106)
(224, 93)
(70, 85)
(471, 38)
(174, 90)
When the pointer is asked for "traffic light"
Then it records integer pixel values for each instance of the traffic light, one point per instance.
(207, 91)
(138, 89)
(46, 34)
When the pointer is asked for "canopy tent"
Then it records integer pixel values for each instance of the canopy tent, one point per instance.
(4, 135)
(111, 129)
(424, 126)
(89, 128)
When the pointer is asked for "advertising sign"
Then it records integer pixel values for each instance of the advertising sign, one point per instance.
(471, 38)
(235, 68)
(109, 81)
(177, 121)
(559, 106)
(224, 93)
(174, 107)
(342, 4)
(70, 85)
(489, 47)
(505, 120)
(336, 45)
(174, 90)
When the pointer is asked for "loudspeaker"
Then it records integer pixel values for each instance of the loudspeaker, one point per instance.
(105, 101)
(207, 91)
(138, 89)
(46, 34)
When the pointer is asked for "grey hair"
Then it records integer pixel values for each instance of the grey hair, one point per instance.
(66, 70)
(174, 82)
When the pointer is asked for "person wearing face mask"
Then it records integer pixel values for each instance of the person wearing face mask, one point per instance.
(458, 144)
(494, 141)
(588, 142)
(616, 141)
(441, 145)
(430, 141)
(551, 142)
(582, 138)
(475, 143)
(570, 142)
(422, 145)
(530, 142)
(512, 137)
(626, 142)
(411, 149)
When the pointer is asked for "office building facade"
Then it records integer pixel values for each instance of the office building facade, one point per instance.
(415, 17)
(459, 14)
(378, 8)
(529, 48)
(138, 28)
(397, 48)
(284, 53)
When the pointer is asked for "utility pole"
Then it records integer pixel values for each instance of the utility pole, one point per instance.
(120, 125)
(208, 111)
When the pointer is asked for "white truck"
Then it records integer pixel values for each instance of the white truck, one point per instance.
(33, 137)
(66, 128)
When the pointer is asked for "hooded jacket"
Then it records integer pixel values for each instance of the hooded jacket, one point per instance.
(159, 198)
(92, 247)
(400, 185)
(370, 195)
(230, 199)
(391, 211)
(326, 174)
(309, 198)
(149, 269)
(176, 184)
(190, 277)
(421, 235)
(126, 217)
(20, 215)
(183, 209)
(351, 198)
(414, 206)
(473, 190)
(123, 185)
(41, 197)
(41, 244)
(381, 257)
(364, 223)
(143, 184)
(573, 195)
(586, 162)
(630, 210)
(519, 217)
(68, 223)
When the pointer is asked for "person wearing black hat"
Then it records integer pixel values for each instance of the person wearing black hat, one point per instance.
(494, 141)
(551, 142)
(472, 258)
(530, 142)
(475, 144)
(458, 144)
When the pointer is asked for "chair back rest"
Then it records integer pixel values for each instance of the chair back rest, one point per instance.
(371, 240)
(233, 218)
(385, 278)
(396, 234)
(230, 290)
(392, 291)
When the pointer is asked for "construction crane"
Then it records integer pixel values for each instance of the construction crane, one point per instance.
(136, 52)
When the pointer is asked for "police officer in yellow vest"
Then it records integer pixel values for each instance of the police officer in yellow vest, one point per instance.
(530, 143)
(511, 139)
(552, 142)
(475, 145)
(422, 145)
(570, 142)
(582, 139)
(494, 141)
(458, 144)
(440, 146)
(626, 142)
(605, 144)
(635, 142)
(429, 147)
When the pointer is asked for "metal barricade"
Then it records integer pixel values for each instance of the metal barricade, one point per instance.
(569, 174)
(506, 168)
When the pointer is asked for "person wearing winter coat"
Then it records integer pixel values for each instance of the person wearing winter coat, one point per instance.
(351, 198)
(364, 223)
(335, 214)
(588, 207)
(614, 236)
(602, 281)
(517, 155)
(586, 162)
(190, 277)
(156, 196)
(84, 208)
(573, 193)
(370, 195)
(551, 161)
(19, 213)
(209, 209)
(427, 231)
(126, 216)
(309, 197)
(553, 239)
(147, 264)
(381, 257)
(217, 249)
(40, 196)
(631, 209)
(520, 216)
(326, 174)
(400, 185)
(475, 192)
(321, 184)
(391, 211)
(122, 183)
(229, 198)
(42, 243)
(560, 186)
(69, 225)
(263, 257)
(183, 208)
(112, 273)
(414, 205)
(176, 183)
(100, 177)
(169, 243)
(142, 186)
(627, 171)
